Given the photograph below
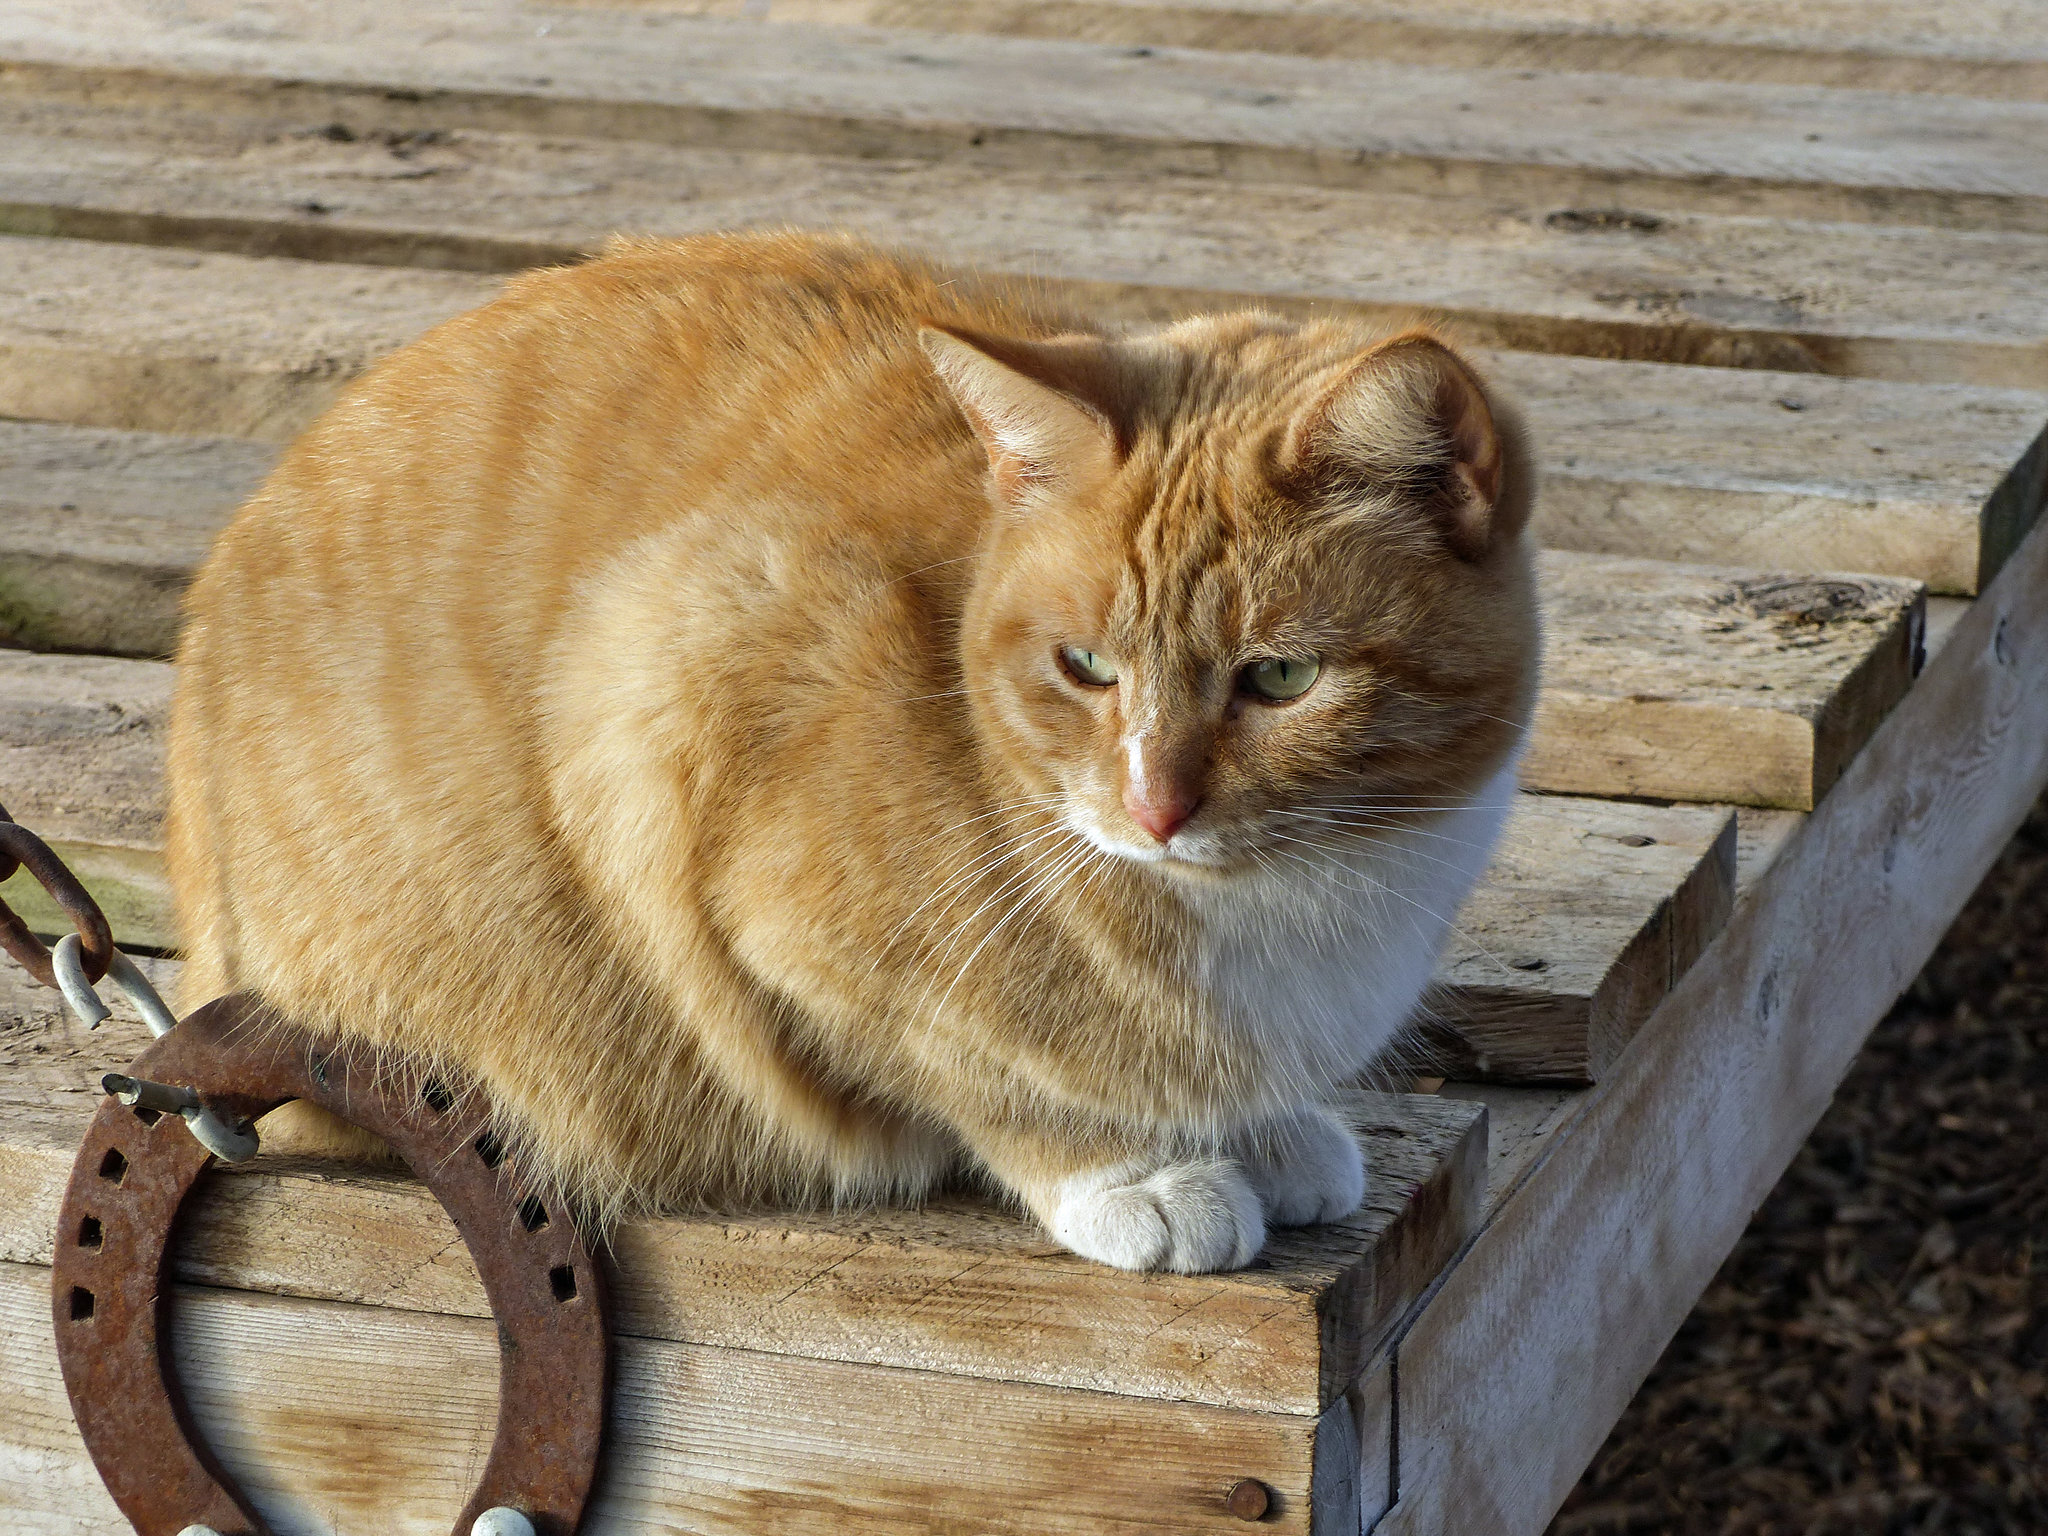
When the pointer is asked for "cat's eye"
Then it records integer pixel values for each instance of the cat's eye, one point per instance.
(1086, 666)
(1280, 677)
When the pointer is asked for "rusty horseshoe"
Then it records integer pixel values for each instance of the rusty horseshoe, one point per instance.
(111, 1278)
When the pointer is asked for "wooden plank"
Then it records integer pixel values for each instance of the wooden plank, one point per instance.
(957, 1286)
(1561, 908)
(1520, 1120)
(1934, 483)
(180, 342)
(1974, 49)
(1688, 682)
(1897, 303)
(1586, 139)
(1768, 469)
(372, 1418)
(1986, 50)
(1588, 913)
(1525, 1356)
(101, 530)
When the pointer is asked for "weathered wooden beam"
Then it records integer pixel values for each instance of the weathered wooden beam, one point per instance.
(101, 530)
(715, 82)
(1968, 49)
(1558, 957)
(1518, 1365)
(1589, 912)
(1922, 305)
(380, 1419)
(957, 1286)
(1698, 683)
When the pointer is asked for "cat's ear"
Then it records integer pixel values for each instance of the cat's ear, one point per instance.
(1044, 410)
(1411, 418)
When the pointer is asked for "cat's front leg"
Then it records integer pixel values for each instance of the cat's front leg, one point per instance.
(1306, 1166)
(1162, 1209)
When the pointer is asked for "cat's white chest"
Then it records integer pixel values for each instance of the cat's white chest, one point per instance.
(1325, 961)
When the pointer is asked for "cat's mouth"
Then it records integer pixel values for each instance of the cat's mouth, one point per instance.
(1186, 852)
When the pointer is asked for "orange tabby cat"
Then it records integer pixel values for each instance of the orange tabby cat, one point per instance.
(796, 723)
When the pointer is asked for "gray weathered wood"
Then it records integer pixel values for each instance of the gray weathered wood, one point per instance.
(1887, 157)
(81, 765)
(1568, 1297)
(1556, 962)
(101, 530)
(1911, 304)
(1690, 682)
(1978, 48)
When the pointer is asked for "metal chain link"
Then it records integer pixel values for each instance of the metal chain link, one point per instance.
(21, 848)
(79, 961)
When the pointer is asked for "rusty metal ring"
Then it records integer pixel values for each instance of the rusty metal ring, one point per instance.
(111, 1278)
(20, 847)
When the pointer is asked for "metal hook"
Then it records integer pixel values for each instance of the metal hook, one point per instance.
(68, 961)
(229, 1144)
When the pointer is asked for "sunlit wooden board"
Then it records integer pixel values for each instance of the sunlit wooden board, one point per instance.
(740, 83)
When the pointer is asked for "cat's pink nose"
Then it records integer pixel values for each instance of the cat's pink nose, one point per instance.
(1160, 814)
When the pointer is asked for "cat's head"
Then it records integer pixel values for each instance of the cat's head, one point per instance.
(1242, 570)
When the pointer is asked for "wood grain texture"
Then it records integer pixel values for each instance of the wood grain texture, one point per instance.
(958, 1286)
(1702, 684)
(1898, 303)
(739, 83)
(1978, 48)
(175, 341)
(1551, 974)
(1566, 1300)
(1588, 913)
(366, 1418)
(1724, 466)
(101, 530)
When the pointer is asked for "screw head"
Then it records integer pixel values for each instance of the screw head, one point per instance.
(1249, 1499)
(501, 1522)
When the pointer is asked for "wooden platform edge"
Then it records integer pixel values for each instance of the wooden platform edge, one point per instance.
(382, 1418)
(2011, 510)
(1511, 1374)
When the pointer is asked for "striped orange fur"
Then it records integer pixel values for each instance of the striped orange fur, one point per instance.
(653, 695)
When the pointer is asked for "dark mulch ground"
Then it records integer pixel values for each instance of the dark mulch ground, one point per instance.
(1871, 1358)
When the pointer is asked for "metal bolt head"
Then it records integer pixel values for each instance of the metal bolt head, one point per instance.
(501, 1522)
(1249, 1499)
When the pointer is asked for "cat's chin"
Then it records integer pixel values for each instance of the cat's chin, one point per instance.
(1197, 863)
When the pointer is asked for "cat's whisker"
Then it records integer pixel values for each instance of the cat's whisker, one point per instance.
(1382, 833)
(1028, 802)
(1059, 873)
(1410, 852)
(950, 693)
(1028, 870)
(920, 570)
(1029, 876)
(1382, 888)
(980, 865)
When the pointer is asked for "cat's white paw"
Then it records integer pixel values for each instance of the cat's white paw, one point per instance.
(1191, 1216)
(1306, 1167)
